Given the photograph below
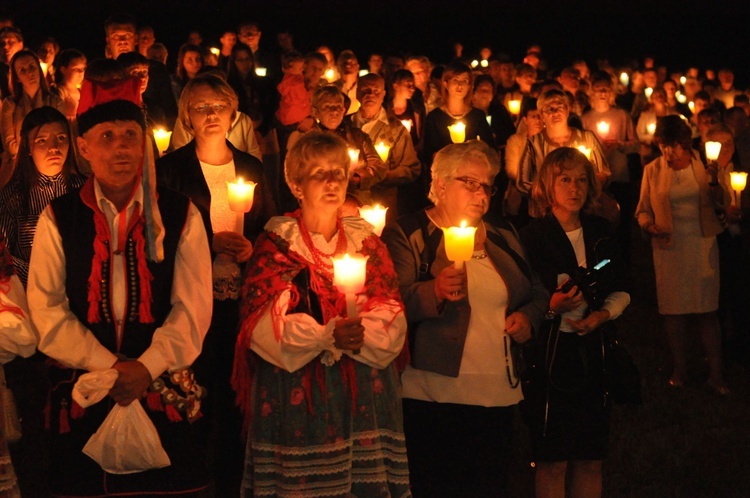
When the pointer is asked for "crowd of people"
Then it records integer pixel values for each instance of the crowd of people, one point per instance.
(259, 373)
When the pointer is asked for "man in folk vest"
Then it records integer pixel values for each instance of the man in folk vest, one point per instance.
(107, 296)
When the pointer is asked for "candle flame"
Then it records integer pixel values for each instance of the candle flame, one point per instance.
(463, 224)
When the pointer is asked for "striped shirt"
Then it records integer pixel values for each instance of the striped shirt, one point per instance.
(18, 222)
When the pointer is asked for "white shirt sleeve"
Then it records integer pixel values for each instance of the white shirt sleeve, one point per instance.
(61, 335)
(303, 339)
(17, 337)
(178, 342)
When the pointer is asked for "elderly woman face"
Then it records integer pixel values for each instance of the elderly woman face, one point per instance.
(210, 114)
(330, 112)
(323, 185)
(466, 195)
(555, 113)
(49, 145)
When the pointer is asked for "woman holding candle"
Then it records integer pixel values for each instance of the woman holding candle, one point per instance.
(201, 170)
(461, 386)
(324, 420)
(70, 66)
(677, 210)
(29, 91)
(456, 108)
(567, 409)
(402, 107)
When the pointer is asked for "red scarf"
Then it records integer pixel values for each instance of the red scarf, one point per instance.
(7, 270)
(271, 270)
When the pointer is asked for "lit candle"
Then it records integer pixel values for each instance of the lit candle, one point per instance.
(261, 71)
(382, 149)
(457, 132)
(353, 159)
(624, 78)
(349, 274)
(375, 216)
(330, 75)
(738, 180)
(474, 63)
(648, 91)
(602, 128)
(215, 51)
(680, 97)
(240, 196)
(407, 124)
(45, 67)
(489, 120)
(459, 244)
(683, 80)
(713, 149)
(691, 106)
(585, 151)
(363, 72)
(162, 137)
(514, 107)
(651, 129)
(484, 63)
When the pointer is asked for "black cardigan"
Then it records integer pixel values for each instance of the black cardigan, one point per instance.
(181, 171)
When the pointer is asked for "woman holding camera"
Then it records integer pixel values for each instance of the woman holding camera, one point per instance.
(567, 409)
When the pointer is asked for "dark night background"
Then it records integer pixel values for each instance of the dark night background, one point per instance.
(677, 33)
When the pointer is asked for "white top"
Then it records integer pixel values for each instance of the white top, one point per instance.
(17, 335)
(483, 377)
(302, 338)
(615, 303)
(175, 345)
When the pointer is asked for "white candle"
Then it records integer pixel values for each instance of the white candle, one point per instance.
(680, 98)
(215, 51)
(484, 63)
(624, 78)
(363, 72)
(648, 91)
(330, 75)
(382, 149)
(474, 63)
(375, 216)
(407, 124)
(683, 80)
(738, 179)
(457, 132)
(691, 106)
(44, 67)
(602, 128)
(349, 274)
(713, 149)
(353, 159)
(651, 129)
(585, 151)
(459, 243)
(489, 120)
(514, 107)
(162, 137)
(261, 71)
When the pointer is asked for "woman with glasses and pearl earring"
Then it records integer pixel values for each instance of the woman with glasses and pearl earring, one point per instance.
(461, 386)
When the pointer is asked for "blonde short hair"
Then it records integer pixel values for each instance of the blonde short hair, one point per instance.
(215, 83)
(312, 146)
(557, 161)
(453, 156)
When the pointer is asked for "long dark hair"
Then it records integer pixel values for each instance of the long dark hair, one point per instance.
(26, 175)
(16, 88)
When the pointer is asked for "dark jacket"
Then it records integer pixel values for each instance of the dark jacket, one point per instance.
(439, 335)
(181, 171)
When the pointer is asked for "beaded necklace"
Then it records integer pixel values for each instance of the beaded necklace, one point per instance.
(322, 259)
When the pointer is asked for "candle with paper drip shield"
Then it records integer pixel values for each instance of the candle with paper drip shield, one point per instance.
(648, 92)
(161, 138)
(330, 75)
(459, 244)
(602, 129)
(738, 179)
(713, 149)
(624, 78)
(349, 277)
(375, 216)
(240, 195)
(353, 159)
(586, 151)
(457, 132)
(408, 123)
(382, 149)
(261, 72)
(514, 107)
(215, 51)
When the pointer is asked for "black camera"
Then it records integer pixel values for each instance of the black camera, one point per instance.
(588, 281)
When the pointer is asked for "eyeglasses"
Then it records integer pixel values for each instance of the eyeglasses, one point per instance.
(332, 108)
(218, 108)
(554, 109)
(473, 185)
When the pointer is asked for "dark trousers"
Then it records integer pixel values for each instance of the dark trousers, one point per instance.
(457, 450)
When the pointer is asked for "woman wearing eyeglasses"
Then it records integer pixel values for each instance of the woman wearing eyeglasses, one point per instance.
(461, 386)
(201, 170)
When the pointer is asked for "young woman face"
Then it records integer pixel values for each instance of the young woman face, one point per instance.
(243, 61)
(73, 73)
(29, 73)
(571, 189)
(192, 62)
(458, 85)
(49, 146)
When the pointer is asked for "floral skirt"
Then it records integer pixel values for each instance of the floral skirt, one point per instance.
(326, 431)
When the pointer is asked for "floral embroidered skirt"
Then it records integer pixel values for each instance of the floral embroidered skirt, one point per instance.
(326, 431)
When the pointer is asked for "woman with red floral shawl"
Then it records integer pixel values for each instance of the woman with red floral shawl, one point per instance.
(320, 389)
